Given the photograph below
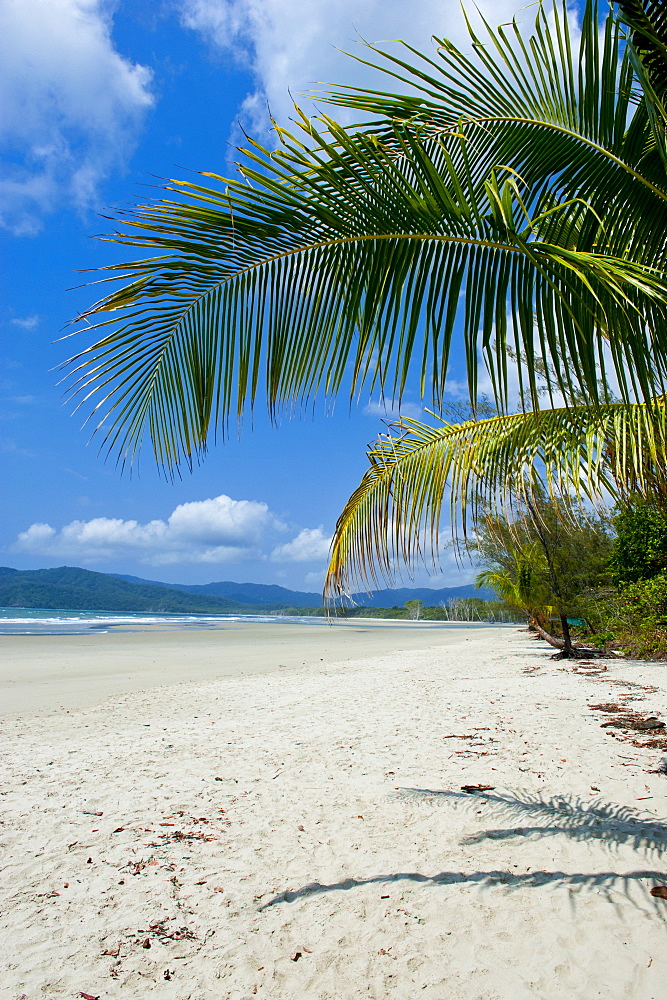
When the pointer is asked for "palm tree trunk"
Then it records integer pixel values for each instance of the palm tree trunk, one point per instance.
(567, 640)
(551, 639)
(566, 644)
(566, 651)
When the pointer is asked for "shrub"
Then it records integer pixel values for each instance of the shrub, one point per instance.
(640, 546)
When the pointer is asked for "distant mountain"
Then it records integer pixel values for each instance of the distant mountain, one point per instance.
(273, 596)
(69, 587)
(72, 588)
(269, 595)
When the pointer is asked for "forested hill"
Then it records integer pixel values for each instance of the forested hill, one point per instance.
(81, 589)
(73, 588)
(267, 595)
(273, 596)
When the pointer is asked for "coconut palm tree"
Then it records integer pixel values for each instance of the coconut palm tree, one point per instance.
(516, 582)
(515, 198)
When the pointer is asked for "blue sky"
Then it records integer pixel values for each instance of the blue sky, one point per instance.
(99, 99)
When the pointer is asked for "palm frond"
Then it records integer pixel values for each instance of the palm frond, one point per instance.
(647, 52)
(648, 21)
(419, 472)
(576, 93)
(518, 584)
(348, 260)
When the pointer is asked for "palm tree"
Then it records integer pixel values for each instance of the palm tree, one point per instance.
(515, 584)
(513, 199)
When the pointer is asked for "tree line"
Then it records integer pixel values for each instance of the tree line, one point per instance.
(599, 580)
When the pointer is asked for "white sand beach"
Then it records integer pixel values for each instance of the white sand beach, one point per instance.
(288, 821)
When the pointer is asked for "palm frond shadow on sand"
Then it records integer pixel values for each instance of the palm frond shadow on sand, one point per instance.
(613, 825)
(606, 822)
(575, 880)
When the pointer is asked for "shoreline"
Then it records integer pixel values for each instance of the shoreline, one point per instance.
(306, 833)
(62, 622)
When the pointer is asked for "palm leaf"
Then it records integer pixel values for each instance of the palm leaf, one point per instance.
(394, 517)
(566, 95)
(347, 261)
(648, 55)
(648, 21)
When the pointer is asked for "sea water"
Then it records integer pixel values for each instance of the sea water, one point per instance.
(39, 621)
(51, 621)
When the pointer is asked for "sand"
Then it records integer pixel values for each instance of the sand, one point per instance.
(50, 673)
(302, 832)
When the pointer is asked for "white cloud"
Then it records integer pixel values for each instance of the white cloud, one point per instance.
(293, 46)
(27, 322)
(218, 530)
(310, 545)
(71, 106)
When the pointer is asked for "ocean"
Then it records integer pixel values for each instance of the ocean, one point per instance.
(38, 621)
(50, 621)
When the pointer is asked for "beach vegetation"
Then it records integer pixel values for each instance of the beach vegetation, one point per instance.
(415, 609)
(544, 559)
(630, 619)
(460, 609)
(640, 545)
(631, 614)
(611, 575)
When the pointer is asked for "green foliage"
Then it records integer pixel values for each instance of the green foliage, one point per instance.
(314, 611)
(479, 466)
(640, 546)
(366, 612)
(501, 200)
(632, 620)
(634, 617)
(547, 557)
(644, 605)
(415, 609)
(462, 609)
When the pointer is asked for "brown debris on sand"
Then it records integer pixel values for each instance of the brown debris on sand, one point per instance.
(634, 721)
